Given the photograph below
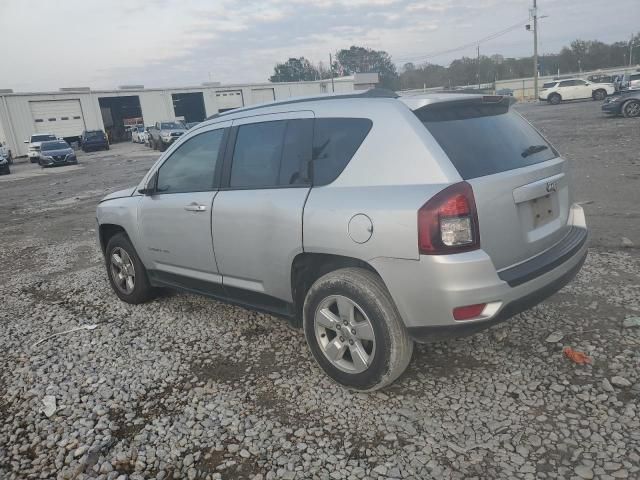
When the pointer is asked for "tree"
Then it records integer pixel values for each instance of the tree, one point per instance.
(365, 60)
(294, 70)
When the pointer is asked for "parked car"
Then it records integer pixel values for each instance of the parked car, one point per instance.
(5, 152)
(33, 151)
(632, 81)
(190, 125)
(163, 134)
(56, 152)
(4, 166)
(627, 104)
(557, 91)
(137, 134)
(369, 220)
(94, 140)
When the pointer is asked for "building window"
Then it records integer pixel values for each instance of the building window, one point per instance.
(39, 120)
(52, 119)
(64, 118)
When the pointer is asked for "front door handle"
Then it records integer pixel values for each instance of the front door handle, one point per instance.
(194, 207)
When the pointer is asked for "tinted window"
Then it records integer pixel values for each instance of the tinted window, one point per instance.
(482, 139)
(192, 166)
(335, 141)
(257, 154)
(296, 153)
(635, 77)
(568, 83)
(549, 85)
(94, 134)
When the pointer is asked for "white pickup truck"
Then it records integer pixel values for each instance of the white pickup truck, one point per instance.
(34, 144)
(556, 91)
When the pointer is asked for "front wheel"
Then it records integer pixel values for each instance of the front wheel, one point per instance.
(354, 331)
(631, 108)
(127, 274)
(599, 95)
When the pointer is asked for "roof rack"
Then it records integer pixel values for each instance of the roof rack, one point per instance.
(371, 93)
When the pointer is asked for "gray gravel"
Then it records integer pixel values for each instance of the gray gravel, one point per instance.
(186, 387)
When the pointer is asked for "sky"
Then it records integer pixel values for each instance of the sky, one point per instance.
(47, 44)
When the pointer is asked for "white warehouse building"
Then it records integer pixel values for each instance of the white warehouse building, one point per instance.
(69, 111)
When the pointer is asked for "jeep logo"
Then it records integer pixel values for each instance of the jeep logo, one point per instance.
(551, 187)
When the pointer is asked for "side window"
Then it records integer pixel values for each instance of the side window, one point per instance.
(580, 83)
(296, 153)
(567, 83)
(335, 141)
(257, 154)
(192, 166)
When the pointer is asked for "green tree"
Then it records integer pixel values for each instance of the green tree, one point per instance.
(294, 70)
(365, 60)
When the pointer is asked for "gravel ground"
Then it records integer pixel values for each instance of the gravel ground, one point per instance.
(186, 387)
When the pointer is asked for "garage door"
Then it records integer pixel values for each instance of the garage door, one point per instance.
(59, 117)
(229, 99)
(263, 95)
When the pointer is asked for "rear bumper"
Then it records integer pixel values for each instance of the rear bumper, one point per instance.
(427, 291)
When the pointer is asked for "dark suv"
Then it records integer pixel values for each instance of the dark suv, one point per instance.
(94, 140)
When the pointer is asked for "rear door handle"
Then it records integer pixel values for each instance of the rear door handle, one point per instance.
(194, 207)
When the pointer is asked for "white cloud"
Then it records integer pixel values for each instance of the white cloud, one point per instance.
(47, 45)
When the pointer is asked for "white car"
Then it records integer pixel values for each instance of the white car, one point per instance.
(34, 144)
(556, 91)
(137, 134)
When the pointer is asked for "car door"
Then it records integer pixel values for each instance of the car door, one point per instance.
(583, 89)
(175, 220)
(257, 216)
(566, 89)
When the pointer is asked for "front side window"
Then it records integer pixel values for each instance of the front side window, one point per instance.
(567, 83)
(191, 168)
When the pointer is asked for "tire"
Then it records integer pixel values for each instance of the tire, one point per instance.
(631, 109)
(375, 316)
(599, 95)
(141, 291)
(554, 99)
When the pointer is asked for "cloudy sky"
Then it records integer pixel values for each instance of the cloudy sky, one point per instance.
(48, 44)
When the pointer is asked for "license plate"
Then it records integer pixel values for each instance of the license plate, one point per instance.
(542, 209)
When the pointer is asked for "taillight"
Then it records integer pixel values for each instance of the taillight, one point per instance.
(448, 223)
(469, 311)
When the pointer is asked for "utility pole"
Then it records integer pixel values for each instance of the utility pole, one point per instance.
(630, 49)
(333, 88)
(478, 66)
(534, 12)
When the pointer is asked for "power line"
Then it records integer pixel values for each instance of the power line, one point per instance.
(475, 43)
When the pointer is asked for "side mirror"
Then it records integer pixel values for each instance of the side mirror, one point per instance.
(150, 187)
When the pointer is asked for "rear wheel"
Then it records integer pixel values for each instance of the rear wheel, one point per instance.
(127, 274)
(631, 108)
(354, 330)
(599, 95)
(555, 99)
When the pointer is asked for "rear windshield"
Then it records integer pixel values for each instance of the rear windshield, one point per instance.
(94, 134)
(484, 139)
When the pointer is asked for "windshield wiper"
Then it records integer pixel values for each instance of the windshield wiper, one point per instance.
(533, 149)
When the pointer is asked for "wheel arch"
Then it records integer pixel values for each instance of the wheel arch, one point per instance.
(106, 231)
(307, 267)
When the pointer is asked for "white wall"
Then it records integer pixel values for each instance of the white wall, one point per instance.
(156, 104)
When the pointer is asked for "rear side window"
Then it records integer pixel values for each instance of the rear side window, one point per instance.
(272, 154)
(549, 85)
(335, 141)
(482, 139)
(192, 166)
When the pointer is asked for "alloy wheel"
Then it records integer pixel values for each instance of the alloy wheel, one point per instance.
(122, 270)
(345, 334)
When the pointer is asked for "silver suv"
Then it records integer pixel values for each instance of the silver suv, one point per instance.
(369, 220)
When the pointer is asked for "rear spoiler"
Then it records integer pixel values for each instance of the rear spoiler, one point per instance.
(464, 106)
